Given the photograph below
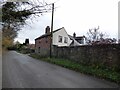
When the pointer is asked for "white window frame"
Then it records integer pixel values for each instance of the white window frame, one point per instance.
(65, 40)
(60, 39)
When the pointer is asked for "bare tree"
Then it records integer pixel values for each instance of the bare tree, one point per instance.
(94, 36)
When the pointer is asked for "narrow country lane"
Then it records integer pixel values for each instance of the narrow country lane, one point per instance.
(22, 71)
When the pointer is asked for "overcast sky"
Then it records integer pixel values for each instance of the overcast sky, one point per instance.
(76, 16)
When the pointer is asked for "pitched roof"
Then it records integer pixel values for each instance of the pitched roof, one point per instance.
(74, 42)
(48, 34)
(58, 29)
(44, 35)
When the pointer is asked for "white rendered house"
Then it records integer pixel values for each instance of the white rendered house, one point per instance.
(61, 38)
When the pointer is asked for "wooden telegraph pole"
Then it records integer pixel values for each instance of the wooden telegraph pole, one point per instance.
(51, 38)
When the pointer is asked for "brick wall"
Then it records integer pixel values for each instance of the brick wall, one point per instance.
(42, 45)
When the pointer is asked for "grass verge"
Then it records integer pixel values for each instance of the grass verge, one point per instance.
(98, 72)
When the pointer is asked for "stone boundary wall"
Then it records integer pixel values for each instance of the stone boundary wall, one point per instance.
(107, 55)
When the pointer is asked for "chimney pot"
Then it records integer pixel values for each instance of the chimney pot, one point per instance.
(47, 30)
(74, 35)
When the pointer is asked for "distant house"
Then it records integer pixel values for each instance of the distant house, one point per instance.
(60, 38)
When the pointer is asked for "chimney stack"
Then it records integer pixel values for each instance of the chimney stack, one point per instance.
(47, 30)
(74, 35)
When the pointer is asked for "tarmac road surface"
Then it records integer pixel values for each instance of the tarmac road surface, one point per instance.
(22, 71)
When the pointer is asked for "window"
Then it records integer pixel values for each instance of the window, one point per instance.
(39, 50)
(65, 40)
(60, 39)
